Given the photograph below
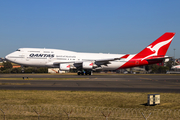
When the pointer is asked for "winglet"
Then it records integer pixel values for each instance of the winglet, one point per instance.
(125, 56)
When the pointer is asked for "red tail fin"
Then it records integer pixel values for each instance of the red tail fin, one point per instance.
(158, 48)
(154, 53)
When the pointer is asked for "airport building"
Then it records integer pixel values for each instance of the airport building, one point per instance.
(55, 70)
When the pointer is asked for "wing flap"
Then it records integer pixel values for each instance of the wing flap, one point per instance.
(112, 59)
(107, 61)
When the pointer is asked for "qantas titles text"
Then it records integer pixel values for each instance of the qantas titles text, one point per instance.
(41, 55)
(50, 55)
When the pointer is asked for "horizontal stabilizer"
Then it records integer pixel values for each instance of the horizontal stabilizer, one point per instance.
(160, 58)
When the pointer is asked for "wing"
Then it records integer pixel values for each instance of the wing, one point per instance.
(107, 61)
(98, 62)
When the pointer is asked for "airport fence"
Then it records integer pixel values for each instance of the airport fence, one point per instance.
(64, 112)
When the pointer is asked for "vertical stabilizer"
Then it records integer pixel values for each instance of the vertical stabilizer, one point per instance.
(154, 53)
(158, 48)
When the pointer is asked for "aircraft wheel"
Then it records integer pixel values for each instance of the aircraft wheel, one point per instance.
(89, 73)
(79, 73)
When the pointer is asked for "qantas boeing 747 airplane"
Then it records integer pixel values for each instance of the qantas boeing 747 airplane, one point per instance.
(85, 63)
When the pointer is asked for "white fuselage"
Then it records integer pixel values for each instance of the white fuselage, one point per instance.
(49, 58)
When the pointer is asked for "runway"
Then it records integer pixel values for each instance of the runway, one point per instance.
(115, 83)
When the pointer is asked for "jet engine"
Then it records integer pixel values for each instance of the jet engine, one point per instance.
(87, 65)
(65, 67)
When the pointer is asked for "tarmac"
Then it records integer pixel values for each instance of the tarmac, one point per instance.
(116, 83)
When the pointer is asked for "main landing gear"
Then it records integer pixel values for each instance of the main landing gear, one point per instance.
(84, 73)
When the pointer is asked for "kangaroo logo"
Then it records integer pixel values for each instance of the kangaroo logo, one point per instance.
(150, 47)
(156, 48)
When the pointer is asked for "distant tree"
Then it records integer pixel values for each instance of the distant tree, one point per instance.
(6, 71)
(16, 70)
(154, 68)
(30, 70)
(36, 70)
(157, 69)
(163, 69)
(6, 65)
(42, 70)
(1, 69)
(169, 64)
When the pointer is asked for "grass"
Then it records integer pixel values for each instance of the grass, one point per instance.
(85, 105)
(79, 98)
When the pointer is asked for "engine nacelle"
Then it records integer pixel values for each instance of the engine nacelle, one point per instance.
(65, 67)
(87, 65)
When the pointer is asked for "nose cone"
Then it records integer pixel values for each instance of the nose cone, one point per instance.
(7, 57)
(10, 57)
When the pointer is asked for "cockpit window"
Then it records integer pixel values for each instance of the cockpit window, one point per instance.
(18, 50)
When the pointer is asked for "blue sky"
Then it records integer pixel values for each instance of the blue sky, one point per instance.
(105, 26)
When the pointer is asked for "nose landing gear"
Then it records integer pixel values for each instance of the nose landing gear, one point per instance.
(84, 72)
